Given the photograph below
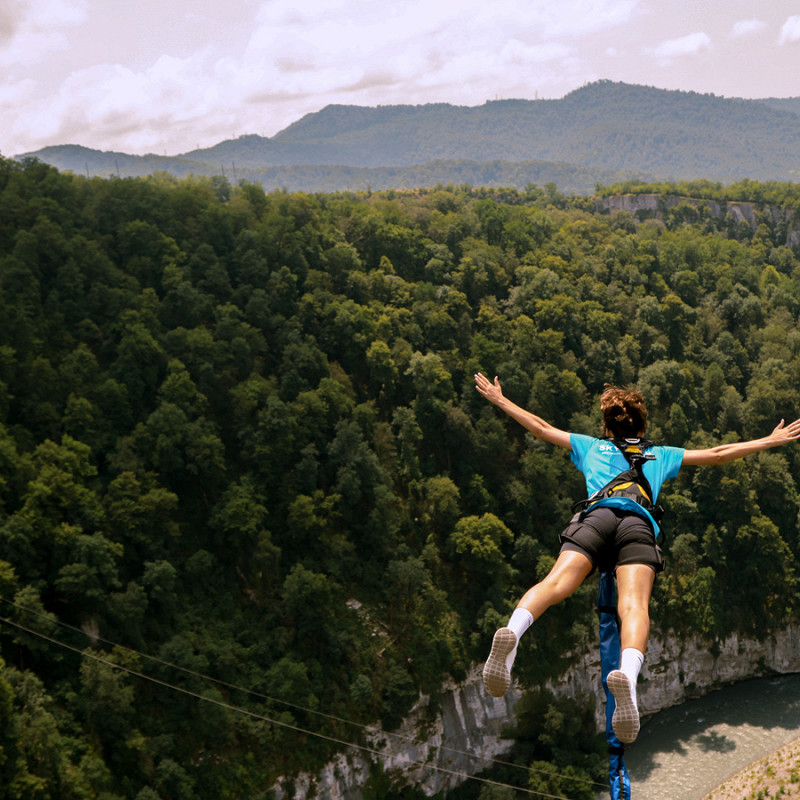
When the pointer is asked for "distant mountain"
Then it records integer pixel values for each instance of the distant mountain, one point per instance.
(791, 104)
(84, 160)
(612, 129)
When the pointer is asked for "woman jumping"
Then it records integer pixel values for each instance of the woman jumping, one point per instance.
(615, 530)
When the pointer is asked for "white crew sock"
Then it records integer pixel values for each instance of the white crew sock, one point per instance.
(630, 663)
(520, 621)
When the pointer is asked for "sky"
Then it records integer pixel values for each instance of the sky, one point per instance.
(170, 76)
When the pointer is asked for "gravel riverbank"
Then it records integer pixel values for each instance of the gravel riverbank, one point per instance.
(776, 775)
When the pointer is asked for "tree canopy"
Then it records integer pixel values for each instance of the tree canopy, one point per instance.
(239, 435)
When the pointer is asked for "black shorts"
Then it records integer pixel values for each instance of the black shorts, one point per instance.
(611, 537)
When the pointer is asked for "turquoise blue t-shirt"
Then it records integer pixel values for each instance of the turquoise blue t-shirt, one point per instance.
(600, 461)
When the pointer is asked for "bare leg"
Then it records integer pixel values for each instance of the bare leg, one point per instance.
(635, 585)
(567, 574)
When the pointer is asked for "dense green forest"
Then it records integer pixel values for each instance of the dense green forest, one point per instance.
(240, 440)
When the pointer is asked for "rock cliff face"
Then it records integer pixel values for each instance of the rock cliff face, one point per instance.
(432, 749)
(437, 749)
(656, 205)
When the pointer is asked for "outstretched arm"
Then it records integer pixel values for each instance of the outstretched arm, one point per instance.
(536, 425)
(730, 452)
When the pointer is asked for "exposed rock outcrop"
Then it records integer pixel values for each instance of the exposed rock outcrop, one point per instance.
(657, 205)
(431, 750)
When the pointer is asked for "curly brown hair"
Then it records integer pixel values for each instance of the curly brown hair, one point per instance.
(624, 411)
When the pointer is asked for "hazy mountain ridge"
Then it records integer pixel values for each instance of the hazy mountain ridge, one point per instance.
(790, 104)
(602, 126)
(84, 160)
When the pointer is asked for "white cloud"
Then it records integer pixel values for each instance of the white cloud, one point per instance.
(747, 27)
(331, 31)
(516, 52)
(790, 32)
(12, 95)
(684, 46)
(212, 70)
(126, 108)
(30, 31)
(295, 59)
(450, 17)
(33, 47)
(462, 48)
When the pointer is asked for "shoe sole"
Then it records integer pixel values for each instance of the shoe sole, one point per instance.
(496, 677)
(625, 720)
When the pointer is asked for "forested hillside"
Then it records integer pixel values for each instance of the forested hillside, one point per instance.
(239, 440)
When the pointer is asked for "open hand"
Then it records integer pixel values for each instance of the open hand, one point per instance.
(783, 434)
(491, 391)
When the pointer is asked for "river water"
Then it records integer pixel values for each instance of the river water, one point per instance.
(684, 752)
